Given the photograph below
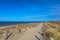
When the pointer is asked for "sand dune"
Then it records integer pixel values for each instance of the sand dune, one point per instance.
(14, 32)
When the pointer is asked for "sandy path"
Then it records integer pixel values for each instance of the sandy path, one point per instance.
(30, 33)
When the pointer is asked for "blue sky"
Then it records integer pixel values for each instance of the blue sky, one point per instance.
(29, 10)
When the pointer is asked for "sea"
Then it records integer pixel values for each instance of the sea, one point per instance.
(2, 24)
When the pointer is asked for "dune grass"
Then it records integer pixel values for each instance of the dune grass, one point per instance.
(52, 30)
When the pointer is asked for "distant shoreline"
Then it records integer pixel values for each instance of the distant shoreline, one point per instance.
(3, 24)
(10, 23)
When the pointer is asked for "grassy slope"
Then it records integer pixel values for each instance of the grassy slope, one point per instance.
(19, 26)
(53, 30)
